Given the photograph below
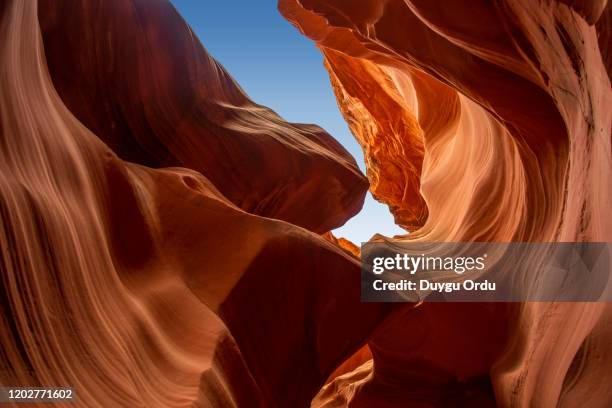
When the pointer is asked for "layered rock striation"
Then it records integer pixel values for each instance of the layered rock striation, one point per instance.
(136, 75)
(480, 121)
(140, 284)
(165, 240)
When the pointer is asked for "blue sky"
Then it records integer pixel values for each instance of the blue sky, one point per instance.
(281, 69)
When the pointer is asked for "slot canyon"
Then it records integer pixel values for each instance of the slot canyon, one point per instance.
(169, 242)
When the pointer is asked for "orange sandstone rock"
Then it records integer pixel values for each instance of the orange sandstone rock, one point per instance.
(375, 103)
(514, 105)
(134, 73)
(343, 243)
(148, 287)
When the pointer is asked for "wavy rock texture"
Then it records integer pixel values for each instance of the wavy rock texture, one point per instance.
(387, 131)
(135, 74)
(164, 240)
(503, 112)
(148, 287)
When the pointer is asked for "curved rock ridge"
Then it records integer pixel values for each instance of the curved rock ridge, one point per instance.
(165, 241)
(148, 287)
(135, 74)
(511, 111)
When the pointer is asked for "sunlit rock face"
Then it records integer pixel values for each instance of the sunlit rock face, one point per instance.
(142, 286)
(481, 121)
(376, 105)
(135, 75)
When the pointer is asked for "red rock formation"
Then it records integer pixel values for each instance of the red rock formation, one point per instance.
(148, 287)
(151, 240)
(134, 73)
(374, 103)
(343, 243)
(514, 107)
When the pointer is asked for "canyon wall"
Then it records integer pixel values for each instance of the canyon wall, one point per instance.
(142, 283)
(480, 121)
(135, 75)
(165, 240)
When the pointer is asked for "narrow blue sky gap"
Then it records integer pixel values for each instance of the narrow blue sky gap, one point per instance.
(279, 68)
